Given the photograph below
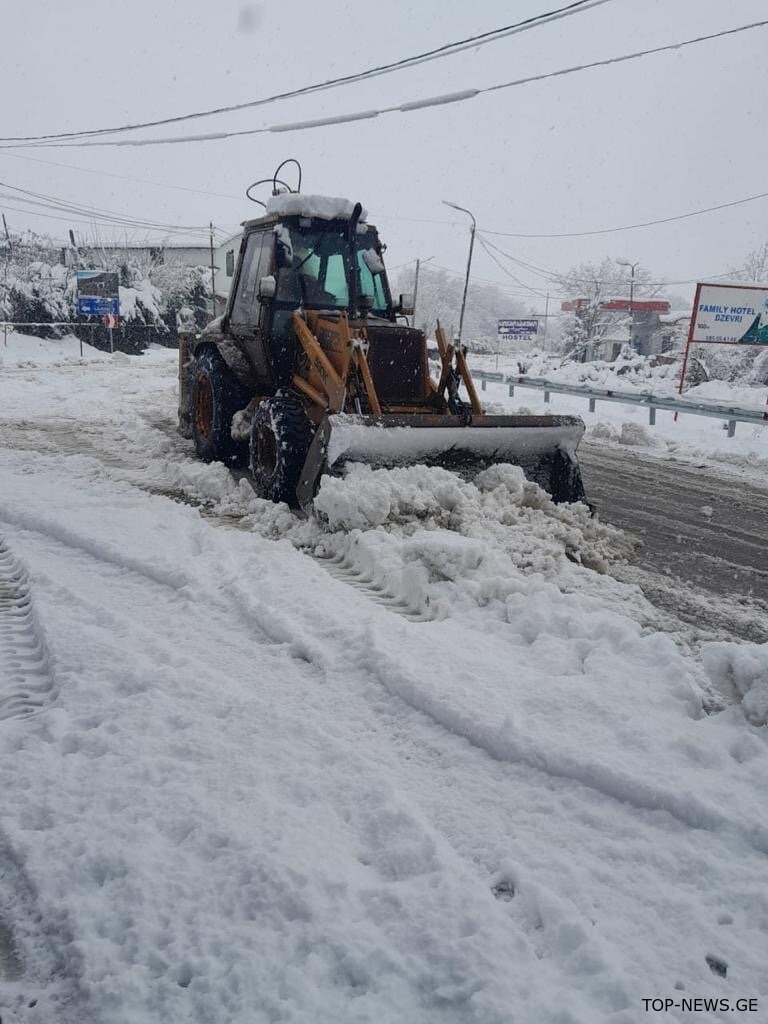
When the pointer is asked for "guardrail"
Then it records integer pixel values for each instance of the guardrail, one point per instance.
(696, 407)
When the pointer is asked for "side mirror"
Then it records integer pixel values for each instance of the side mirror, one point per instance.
(267, 288)
(405, 305)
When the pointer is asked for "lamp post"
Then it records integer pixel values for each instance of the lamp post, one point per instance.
(455, 206)
(626, 263)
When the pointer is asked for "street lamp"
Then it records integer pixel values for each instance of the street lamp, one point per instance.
(626, 263)
(455, 206)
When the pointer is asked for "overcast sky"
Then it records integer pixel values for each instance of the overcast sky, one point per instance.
(610, 146)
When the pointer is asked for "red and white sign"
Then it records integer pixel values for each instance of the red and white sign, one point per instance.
(637, 305)
(620, 305)
(111, 321)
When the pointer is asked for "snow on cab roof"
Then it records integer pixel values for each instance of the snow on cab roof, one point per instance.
(325, 207)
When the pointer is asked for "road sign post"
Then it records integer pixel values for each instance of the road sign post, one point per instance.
(98, 294)
(515, 328)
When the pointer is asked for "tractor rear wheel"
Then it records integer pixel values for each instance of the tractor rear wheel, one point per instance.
(216, 397)
(280, 438)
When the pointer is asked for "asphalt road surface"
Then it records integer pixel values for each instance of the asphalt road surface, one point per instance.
(704, 554)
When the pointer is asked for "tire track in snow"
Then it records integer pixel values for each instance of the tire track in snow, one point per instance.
(39, 971)
(26, 683)
(504, 744)
(47, 437)
(344, 569)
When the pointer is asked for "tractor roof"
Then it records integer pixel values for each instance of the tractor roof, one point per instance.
(296, 204)
(323, 207)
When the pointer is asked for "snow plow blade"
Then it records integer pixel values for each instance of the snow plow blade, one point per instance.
(543, 446)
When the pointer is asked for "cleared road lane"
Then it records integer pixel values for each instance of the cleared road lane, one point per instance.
(704, 554)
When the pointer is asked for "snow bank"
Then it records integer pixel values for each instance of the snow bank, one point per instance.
(740, 671)
(688, 438)
(25, 349)
(646, 375)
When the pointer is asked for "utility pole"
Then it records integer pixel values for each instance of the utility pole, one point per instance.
(416, 289)
(626, 263)
(546, 323)
(5, 276)
(416, 285)
(213, 272)
(455, 206)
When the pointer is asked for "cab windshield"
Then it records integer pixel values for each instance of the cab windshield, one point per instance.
(312, 268)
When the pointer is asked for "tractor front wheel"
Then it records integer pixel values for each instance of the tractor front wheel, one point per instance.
(280, 438)
(216, 397)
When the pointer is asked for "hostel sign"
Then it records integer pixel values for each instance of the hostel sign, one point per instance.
(517, 328)
(730, 314)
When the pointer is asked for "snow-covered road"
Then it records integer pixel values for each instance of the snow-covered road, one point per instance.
(431, 761)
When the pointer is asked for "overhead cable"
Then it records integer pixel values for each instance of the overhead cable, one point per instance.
(66, 206)
(420, 104)
(447, 50)
(630, 227)
(560, 278)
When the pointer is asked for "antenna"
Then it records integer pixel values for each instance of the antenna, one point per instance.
(275, 181)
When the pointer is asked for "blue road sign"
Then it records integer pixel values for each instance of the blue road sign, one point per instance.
(91, 305)
(98, 293)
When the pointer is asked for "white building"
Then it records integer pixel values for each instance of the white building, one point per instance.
(224, 261)
(166, 252)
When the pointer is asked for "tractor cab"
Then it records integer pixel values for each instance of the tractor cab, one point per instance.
(298, 257)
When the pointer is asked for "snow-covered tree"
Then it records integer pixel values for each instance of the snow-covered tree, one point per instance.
(754, 267)
(439, 298)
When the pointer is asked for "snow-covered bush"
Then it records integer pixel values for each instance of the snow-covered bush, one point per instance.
(732, 363)
(35, 289)
(155, 298)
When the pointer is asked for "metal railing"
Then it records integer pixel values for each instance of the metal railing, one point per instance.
(732, 414)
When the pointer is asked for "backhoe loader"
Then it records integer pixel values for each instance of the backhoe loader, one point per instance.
(313, 364)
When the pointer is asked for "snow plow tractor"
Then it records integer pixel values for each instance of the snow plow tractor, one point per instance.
(313, 365)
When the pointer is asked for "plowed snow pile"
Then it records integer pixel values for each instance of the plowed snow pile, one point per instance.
(466, 782)
(437, 542)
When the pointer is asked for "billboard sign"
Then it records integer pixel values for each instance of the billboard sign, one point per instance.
(518, 328)
(98, 293)
(730, 314)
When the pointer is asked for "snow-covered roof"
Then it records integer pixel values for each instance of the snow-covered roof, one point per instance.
(324, 207)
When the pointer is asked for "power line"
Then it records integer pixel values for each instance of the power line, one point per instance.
(80, 220)
(447, 50)
(506, 289)
(504, 270)
(121, 177)
(631, 227)
(403, 108)
(558, 278)
(68, 206)
(416, 220)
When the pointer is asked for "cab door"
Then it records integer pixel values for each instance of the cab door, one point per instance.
(247, 319)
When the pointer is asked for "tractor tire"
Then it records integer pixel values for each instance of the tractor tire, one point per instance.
(216, 397)
(280, 438)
